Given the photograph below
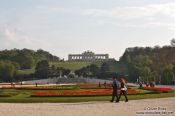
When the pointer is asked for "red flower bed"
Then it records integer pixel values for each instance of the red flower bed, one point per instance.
(158, 89)
(97, 92)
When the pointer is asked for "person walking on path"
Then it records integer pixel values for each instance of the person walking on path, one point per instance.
(123, 89)
(115, 90)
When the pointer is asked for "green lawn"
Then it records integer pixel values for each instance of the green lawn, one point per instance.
(24, 96)
(26, 71)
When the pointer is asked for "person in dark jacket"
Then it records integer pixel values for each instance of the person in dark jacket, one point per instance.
(115, 90)
(123, 89)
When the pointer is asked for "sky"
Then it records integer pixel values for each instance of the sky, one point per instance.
(64, 27)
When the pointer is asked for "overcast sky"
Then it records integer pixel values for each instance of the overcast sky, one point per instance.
(73, 26)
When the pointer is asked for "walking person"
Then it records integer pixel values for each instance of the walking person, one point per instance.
(123, 89)
(115, 90)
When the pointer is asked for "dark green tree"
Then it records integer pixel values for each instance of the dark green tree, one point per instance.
(52, 71)
(7, 71)
(25, 61)
(42, 69)
(105, 71)
(167, 77)
(65, 71)
(94, 69)
(104, 68)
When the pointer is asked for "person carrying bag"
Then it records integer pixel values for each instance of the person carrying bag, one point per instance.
(123, 89)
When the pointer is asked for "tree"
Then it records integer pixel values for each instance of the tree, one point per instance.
(7, 71)
(25, 61)
(168, 74)
(42, 69)
(94, 69)
(53, 71)
(104, 67)
(145, 73)
(66, 71)
(105, 71)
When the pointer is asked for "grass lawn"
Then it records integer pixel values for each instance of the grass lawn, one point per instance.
(26, 71)
(24, 96)
(70, 65)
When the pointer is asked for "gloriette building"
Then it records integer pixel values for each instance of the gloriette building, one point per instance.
(87, 56)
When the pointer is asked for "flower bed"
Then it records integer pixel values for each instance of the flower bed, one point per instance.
(47, 88)
(79, 93)
(39, 87)
(160, 89)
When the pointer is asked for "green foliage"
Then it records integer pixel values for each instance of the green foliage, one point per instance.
(7, 71)
(94, 69)
(150, 64)
(58, 71)
(42, 69)
(26, 58)
(91, 70)
(105, 69)
(22, 60)
(167, 77)
(25, 61)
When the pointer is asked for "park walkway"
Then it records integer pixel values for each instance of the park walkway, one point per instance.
(131, 108)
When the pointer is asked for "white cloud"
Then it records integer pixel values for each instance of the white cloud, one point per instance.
(148, 16)
(13, 38)
(132, 12)
(43, 9)
(14, 35)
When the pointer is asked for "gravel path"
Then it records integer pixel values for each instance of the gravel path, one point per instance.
(131, 108)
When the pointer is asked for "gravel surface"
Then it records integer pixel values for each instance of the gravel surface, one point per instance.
(164, 106)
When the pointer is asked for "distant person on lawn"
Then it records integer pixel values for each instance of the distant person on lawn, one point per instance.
(123, 89)
(115, 90)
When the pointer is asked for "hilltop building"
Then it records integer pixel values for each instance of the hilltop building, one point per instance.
(87, 56)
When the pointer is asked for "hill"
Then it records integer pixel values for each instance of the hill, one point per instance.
(71, 65)
(26, 58)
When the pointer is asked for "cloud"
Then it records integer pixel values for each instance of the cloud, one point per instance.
(133, 12)
(148, 16)
(13, 38)
(47, 10)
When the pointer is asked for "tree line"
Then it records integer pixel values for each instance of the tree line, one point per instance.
(103, 71)
(26, 58)
(148, 64)
(13, 60)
